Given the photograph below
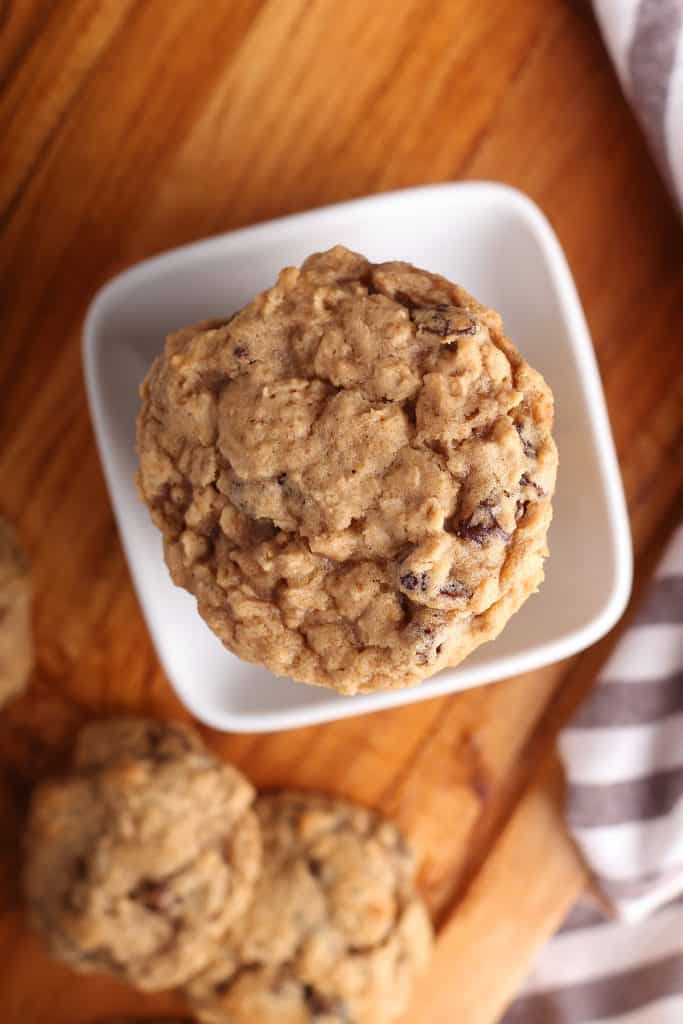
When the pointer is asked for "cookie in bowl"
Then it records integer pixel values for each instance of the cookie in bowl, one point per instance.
(353, 474)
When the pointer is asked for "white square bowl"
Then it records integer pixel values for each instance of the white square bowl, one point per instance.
(497, 243)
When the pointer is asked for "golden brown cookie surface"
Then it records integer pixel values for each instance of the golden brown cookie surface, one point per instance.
(16, 642)
(138, 861)
(335, 933)
(353, 474)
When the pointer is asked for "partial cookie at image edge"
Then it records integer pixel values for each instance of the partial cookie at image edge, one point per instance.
(16, 640)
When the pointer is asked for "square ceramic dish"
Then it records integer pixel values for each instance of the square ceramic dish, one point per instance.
(495, 242)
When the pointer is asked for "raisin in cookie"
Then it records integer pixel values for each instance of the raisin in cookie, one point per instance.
(16, 643)
(335, 933)
(139, 860)
(353, 474)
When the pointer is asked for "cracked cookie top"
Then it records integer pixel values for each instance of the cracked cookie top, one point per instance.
(335, 933)
(353, 474)
(138, 861)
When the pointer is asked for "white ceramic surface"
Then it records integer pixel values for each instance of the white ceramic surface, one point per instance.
(495, 242)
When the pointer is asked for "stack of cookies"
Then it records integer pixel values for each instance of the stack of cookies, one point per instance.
(154, 861)
(353, 474)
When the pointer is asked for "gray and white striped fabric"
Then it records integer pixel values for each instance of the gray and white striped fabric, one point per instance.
(623, 756)
(595, 971)
(645, 40)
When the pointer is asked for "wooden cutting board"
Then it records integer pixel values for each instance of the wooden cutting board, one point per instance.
(129, 127)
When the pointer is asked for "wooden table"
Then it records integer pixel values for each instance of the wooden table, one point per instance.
(129, 127)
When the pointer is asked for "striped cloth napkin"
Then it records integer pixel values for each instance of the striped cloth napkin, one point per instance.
(623, 756)
(645, 40)
(619, 958)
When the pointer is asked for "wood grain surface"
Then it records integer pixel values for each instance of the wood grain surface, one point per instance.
(128, 127)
